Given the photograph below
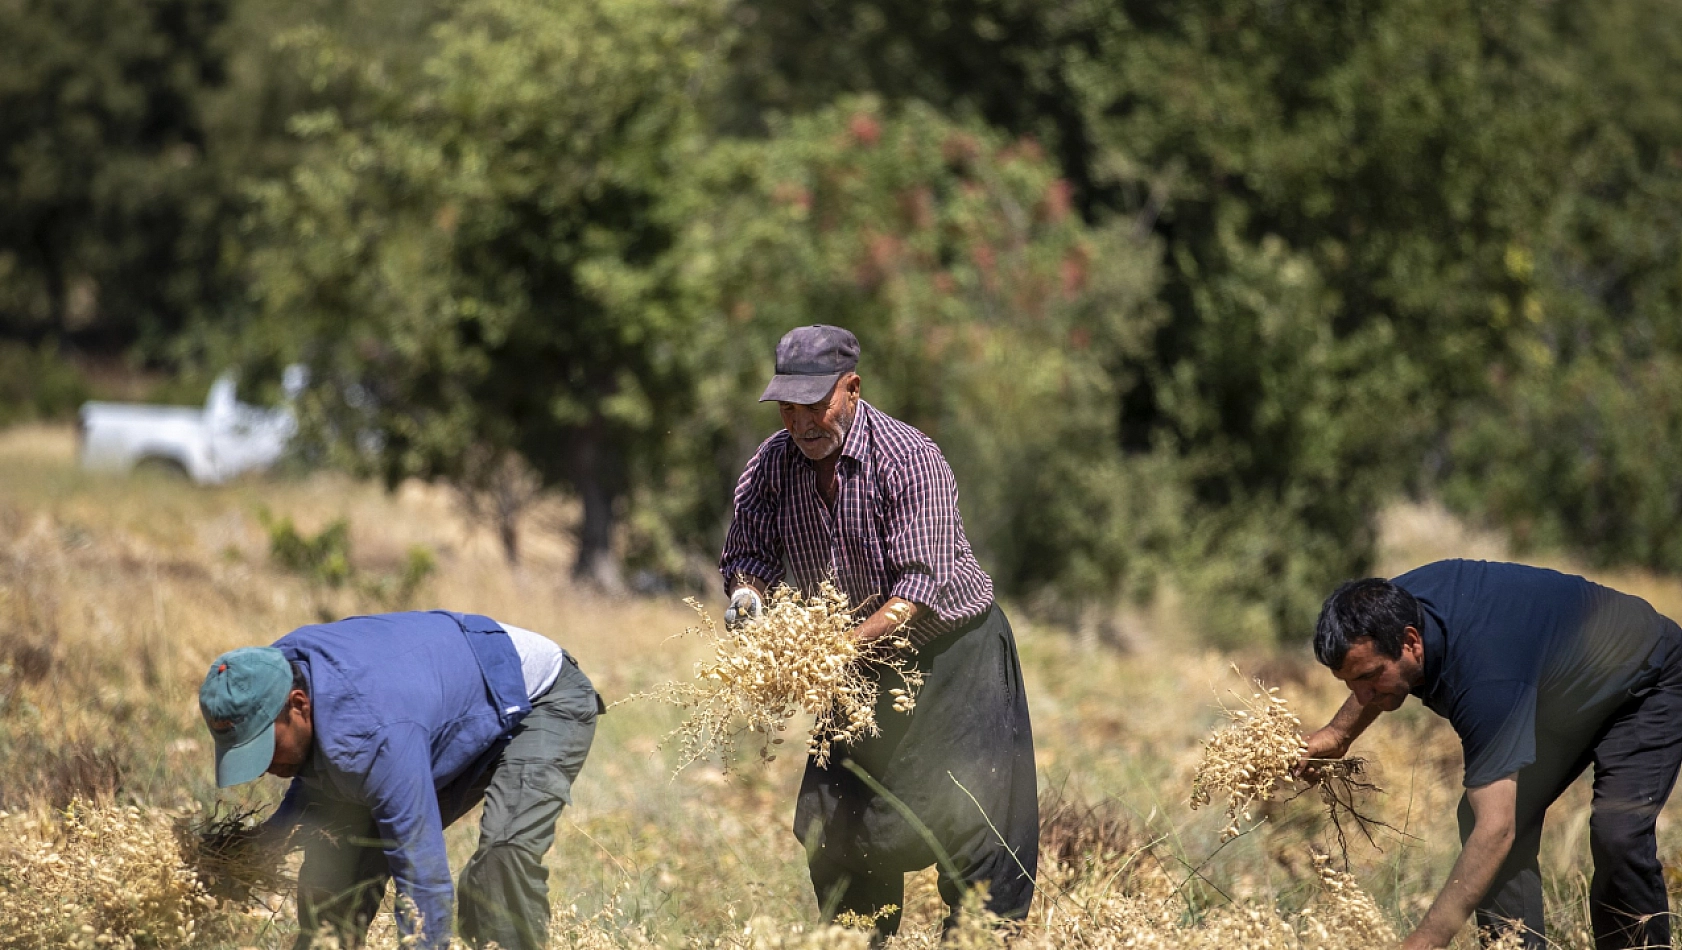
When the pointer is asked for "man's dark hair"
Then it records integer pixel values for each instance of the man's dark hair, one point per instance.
(1371, 608)
(299, 680)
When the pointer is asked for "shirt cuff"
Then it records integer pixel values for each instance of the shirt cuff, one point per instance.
(917, 588)
(926, 631)
(753, 567)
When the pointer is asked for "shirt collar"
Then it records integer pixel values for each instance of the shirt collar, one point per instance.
(857, 442)
(307, 770)
(1436, 646)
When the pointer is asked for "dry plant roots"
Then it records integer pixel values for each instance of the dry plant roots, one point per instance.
(233, 859)
(1257, 754)
(799, 658)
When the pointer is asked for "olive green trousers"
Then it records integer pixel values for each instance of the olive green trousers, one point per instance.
(503, 891)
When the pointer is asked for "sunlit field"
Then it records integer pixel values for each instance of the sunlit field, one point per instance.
(115, 593)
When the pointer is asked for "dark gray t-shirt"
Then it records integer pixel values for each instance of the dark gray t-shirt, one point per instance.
(1515, 652)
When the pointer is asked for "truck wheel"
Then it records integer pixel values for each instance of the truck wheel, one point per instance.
(161, 467)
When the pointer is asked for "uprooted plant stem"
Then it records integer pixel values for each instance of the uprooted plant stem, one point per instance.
(800, 657)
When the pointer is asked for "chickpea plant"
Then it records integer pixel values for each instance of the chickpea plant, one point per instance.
(1258, 752)
(100, 876)
(800, 657)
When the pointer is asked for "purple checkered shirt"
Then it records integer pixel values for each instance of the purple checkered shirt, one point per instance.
(895, 530)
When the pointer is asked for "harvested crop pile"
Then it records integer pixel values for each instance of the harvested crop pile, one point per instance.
(98, 876)
(799, 658)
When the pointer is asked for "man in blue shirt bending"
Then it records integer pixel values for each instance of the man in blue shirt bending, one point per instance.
(391, 727)
(1541, 674)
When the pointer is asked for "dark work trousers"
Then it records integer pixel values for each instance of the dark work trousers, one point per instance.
(503, 893)
(1635, 753)
(970, 726)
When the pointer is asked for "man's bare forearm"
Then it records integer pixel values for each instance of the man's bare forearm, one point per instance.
(1467, 883)
(1486, 848)
(1354, 718)
(1333, 739)
(890, 617)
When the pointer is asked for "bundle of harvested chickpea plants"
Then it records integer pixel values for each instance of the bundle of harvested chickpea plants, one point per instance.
(100, 875)
(800, 657)
(1258, 752)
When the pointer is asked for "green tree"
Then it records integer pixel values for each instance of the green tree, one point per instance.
(1578, 445)
(466, 258)
(1335, 189)
(108, 228)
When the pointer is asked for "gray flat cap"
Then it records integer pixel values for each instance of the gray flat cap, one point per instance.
(809, 361)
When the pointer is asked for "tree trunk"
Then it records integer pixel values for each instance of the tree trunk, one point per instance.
(596, 477)
(508, 529)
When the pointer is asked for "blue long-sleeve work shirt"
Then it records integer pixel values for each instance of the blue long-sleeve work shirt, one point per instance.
(404, 705)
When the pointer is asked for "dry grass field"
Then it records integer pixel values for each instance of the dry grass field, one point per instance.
(115, 593)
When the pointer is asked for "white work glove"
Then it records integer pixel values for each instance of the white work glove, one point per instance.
(745, 605)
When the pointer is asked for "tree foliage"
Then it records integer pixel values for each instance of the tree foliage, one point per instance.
(455, 258)
(1578, 447)
(1340, 193)
(109, 202)
(990, 315)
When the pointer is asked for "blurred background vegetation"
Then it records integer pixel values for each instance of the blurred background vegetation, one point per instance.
(1187, 292)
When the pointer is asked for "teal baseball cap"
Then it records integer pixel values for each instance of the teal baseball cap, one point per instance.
(242, 696)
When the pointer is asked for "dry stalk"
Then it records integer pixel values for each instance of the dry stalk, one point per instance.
(853, 920)
(801, 657)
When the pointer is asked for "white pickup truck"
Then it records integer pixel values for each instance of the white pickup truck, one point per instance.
(210, 445)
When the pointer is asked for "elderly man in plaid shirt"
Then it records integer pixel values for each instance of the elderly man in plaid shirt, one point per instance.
(848, 493)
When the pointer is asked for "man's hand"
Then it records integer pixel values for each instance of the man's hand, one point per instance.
(1333, 740)
(893, 615)
(1329, 742)
(745, 605)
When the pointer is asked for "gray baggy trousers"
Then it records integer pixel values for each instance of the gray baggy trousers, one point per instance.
(962, 762)
(503, 892)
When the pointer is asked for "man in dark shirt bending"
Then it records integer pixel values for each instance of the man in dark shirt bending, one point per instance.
(1540, 673)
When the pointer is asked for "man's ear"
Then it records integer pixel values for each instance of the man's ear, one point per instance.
(1413, 644)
